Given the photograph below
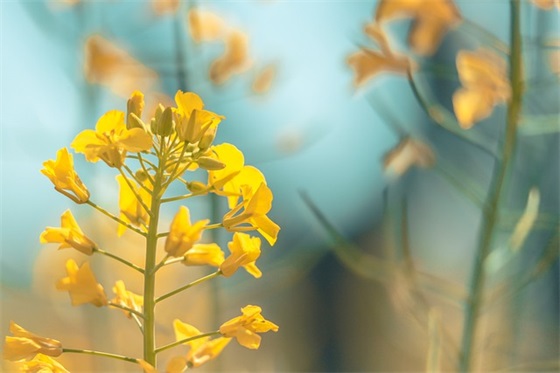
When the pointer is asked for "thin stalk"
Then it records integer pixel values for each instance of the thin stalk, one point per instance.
(180, 342)
(118, 258)
(127, 181)
(133, 175)
(125, 308)
(161, 263)
(142, 161)
(99, 353)
(107, 213)
(177, 198)
(190, 285)
(489, 220)
(149, 273)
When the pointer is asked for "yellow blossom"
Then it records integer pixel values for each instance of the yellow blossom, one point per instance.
(111, 140)
(41, 364)
(182, 234)
(127, 298)
(130, 207)
(233, 159)
(204, 254)
(245, 250)
(250, 214)
(409, 152)
(245, 327)
(108, 64)
(24, 344)
(82, 285)
(431, 20)
(193, 121)
(235, 59)
(485, 84)
(201, 349)
(65, 179)
(205, 25)
(68, 235)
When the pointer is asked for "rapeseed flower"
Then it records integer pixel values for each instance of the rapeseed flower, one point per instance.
(82, 285)
(41, 364)
(24, 344)
(244, 250)
(127, 298)
(245, 327)
(68, 235)
(65, 179)
(204, 254)
(131, 209)
(182, 234)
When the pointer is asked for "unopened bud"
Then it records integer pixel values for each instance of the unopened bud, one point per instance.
(210, 164)
(196, 187)
(133, 121)
(141, 175)
(163, 123)
(135, 105)
(207, 138)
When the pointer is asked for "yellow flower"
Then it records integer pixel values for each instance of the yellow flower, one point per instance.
(368, 63)
(82, 285)
(235, 59)
(409, 152)
(65, 179)
(182, 234)
(193, 121)
(147, 367)
(201, 350)
(246, 327)
(41, 364)
(234, 161)
(245, 250)
(485, 84)
(255, 206)
(68, 235)
(205, 25)
(204, 254)
(108, 64)
(24, 344)
(111, 140)
(130, 207)
(432, 19)
(127, 298)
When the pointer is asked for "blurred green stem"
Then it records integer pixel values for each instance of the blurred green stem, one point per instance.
(491, 208)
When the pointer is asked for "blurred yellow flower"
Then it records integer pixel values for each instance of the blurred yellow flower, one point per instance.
(68, 235)
(111, 140)
(41, 364)
(65, 179)
(147, 367)
(24, 344)
(245, 250)
(264, 79)
(235, 59)
(182, 234)
(547, 4)
(204, 254)
(431, 20)
(82, 285)
(205, 25)
(245, 328)
(130, 207)
(485, 84)
(201, 350)
(161, 7)
(250, 213)
(127, 298)
(409, 152)
(109, 65)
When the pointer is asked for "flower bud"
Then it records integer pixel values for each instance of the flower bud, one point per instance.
(163, 123)
(134, 105)
(210, 163)
(207, 138)
(134, 121)
(196, 187)
(141, 176)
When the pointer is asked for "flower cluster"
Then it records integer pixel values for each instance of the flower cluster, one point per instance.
(164, 149)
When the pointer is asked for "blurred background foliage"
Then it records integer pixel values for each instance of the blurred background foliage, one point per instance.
(370, 270)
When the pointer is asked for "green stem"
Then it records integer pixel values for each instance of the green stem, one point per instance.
(183, 288)
(186, 340)
(99, 353)
(119, 306)
(489, 220)
(149, 273)
(177, 198)
(133, 190)
(107, 213)
(118, 258)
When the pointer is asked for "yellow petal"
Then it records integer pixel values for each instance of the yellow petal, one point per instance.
(136, 140)
(367, 64)
(232, 158)
(263, 81)
(471, 106)
(188, 101)
(204, 254)
(235, 59)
